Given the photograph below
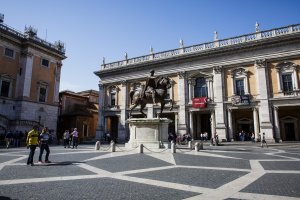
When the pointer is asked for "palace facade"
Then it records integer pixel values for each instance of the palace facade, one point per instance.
(248, 83)
(29, 79)
(78, 110)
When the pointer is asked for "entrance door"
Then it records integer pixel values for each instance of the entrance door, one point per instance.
(114, 128)
(289, 130)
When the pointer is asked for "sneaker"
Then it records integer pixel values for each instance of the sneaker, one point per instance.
(48, 161)
(32, 164)
(40, 162)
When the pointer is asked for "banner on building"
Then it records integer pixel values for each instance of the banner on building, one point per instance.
(240, 100)
(200, 102)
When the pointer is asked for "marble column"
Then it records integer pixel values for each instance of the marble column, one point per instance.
(191, 90)
(100, 125)
(230, 131)
(182, 113)
(213, 124)
(122, 130)
(276, 124)
(191, 123)
(256, 123)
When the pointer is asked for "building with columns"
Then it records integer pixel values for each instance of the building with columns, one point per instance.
(29, 79)
(247, 83)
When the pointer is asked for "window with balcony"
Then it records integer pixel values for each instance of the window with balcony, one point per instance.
(200, 88)
(240, 82)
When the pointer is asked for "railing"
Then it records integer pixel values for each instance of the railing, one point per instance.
(36, 39)
(206, 46)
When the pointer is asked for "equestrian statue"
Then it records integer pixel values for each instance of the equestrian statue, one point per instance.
(155, 91)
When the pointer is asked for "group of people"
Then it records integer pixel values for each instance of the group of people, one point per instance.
(71, 138)
(184, 139)
(13, 138)
(34, 139)
(204, 136)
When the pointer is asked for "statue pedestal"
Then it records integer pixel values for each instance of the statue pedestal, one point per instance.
(151, 132)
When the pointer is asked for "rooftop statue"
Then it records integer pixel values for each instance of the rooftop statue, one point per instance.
(155, 91)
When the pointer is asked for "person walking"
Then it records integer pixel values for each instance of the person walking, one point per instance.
(8, 138)
(66, 139)
(75, 138)
(263, 141)
(32, 142)
(44, 145)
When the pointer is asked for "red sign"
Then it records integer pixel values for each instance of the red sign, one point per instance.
(200, 102)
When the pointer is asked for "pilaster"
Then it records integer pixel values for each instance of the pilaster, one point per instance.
(182, 115)
(124, 102)
(100, 125)
(218, 99)
(24, 80)
(264, 107)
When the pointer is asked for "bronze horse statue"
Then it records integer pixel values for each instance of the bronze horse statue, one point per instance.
(162, 85)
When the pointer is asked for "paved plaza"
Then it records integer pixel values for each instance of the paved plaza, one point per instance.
(241, 171)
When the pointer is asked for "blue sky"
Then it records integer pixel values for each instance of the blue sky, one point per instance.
(93, 29)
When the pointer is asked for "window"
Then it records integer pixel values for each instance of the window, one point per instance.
(45, 62)
(287, 78)
(113, 99)
(5, 88)
(42, 94)
(287, 83)
(9, 52)
(240, 81)
(200, 89)
(240, 89)
(42, 91)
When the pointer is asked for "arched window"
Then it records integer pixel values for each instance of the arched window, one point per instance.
(200, 88)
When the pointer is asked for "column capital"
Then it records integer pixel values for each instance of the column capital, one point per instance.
(181, 74)
(192, 81)
(276, 108)
(101, 86)
(260, 63)
(124, 82)
(218, 69)
(254, 108)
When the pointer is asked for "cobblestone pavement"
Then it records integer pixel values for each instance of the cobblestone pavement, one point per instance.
(224, 172)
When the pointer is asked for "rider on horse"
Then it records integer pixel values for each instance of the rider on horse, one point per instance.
(150, 86)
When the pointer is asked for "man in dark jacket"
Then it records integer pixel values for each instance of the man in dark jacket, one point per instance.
(44, 145)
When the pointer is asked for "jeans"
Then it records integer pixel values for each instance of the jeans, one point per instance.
(31, 154)
(75, 142)
(44, 147)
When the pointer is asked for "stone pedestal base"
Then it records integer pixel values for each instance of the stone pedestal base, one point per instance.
(151, 132)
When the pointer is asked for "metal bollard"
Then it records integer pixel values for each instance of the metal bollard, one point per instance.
(97, 146)
(190, 145)
(197, 146)
(113, 146)
(141, 148)
(173, 148)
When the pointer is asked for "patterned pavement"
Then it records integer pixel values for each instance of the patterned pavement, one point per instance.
(243, 171)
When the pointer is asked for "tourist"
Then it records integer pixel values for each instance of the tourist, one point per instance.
(263, 141)
(253, 137)
(75, 138)
(44, 145)
(8, 138)
(66, 139)
(32, 142)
